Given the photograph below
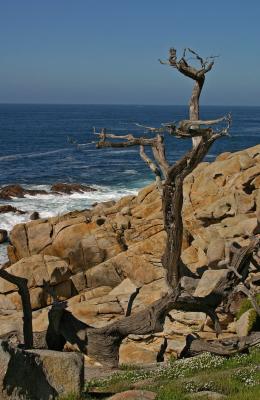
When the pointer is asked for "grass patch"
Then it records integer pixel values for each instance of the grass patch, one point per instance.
(232, 376)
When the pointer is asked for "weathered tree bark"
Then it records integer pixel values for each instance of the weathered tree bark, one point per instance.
(172, 202)
(21, 283)
(227, 347)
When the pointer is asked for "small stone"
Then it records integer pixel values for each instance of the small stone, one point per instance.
(34, 216)
(134, 395)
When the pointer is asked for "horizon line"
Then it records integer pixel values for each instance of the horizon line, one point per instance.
(126, 104)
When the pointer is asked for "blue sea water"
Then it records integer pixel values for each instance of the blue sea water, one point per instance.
(35, 152)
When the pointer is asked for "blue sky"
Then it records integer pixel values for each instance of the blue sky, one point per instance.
(106, 51)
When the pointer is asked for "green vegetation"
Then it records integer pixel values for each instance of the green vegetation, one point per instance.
(236, 377)
(247, 305)
(254, 319)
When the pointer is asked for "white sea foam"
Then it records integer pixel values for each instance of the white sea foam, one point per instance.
(130, 172)
(3, 253)
(49, 205)
(53, 204)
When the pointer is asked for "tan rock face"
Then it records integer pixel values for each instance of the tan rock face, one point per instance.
(98, 259)
(138, 352)
(38, 269)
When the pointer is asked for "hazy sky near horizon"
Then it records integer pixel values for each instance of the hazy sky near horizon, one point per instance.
(106, 51)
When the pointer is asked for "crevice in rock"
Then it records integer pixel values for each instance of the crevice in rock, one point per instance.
(119, 272)
(52, 230)
(131, 301)
(27, 238)
(120, 236)
(161, 352)
(147, 229)
(248, 187)
(217, 175)
(212, 221)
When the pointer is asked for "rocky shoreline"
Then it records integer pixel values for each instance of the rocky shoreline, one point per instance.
(12, 192)
(99, 259)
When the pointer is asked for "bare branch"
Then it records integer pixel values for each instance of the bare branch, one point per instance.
(224, 131)
(160, 156)
(132, 142)
(189, 129)
(153, 167)
(186, 123)
(151, 128)
(183, 66)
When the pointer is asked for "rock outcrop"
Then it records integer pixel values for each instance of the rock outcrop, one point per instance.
(39, 374)
(69, 188)
(8, 208)
(39, 270)
(7, 192)
(110, 256)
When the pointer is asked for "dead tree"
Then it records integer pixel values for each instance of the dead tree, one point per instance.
(103, 343)
(23, 291)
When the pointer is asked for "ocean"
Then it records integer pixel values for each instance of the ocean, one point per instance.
(36, 151)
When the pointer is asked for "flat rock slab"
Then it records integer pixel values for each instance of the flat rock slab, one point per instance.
(39, 374)
(209, 281)
(134, 395)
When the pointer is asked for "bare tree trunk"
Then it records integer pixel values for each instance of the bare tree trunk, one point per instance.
(172, 202)
(21, 283)
(194, 107)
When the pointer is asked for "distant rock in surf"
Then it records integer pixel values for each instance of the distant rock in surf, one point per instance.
(3, 236)
(69, 188)
(35, 215)
(8, 208)
(7, 192)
